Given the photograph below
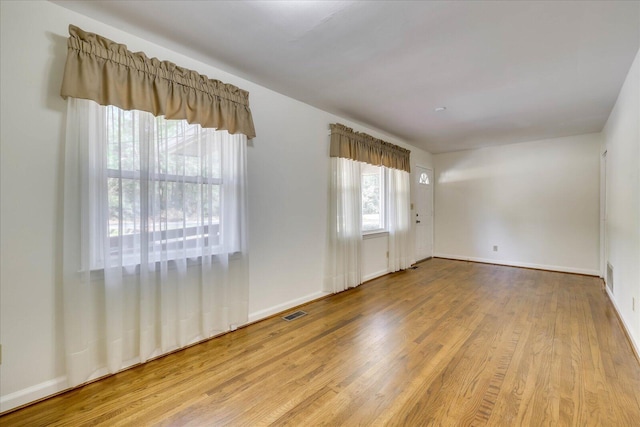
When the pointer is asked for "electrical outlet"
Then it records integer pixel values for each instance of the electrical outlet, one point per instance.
(495, 248)
(633, 303)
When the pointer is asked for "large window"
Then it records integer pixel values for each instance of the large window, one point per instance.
(163, 181)
(373, 189)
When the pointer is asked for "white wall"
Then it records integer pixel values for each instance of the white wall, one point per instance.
(375, 262)
(622, 143)
(288, 178)
(537, 201)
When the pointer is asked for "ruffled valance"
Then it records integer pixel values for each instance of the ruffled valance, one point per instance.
(109, 74)
(361, 147)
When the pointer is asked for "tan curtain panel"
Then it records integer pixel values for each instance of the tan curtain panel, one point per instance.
(109, 74)
(361, 147)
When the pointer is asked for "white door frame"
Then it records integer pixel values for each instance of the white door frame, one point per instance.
(431, 221)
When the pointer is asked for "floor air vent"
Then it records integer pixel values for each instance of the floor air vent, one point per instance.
(610, 277)
(294, 315)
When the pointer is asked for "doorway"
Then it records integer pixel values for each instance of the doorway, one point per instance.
(423, 214)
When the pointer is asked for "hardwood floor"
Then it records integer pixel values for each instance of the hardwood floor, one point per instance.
(450, 343)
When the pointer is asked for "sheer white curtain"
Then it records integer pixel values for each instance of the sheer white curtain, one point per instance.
(345, 226)
(400, 236)
(155, 244)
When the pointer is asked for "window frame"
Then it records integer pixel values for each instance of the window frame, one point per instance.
(121, 245)
(384, 202)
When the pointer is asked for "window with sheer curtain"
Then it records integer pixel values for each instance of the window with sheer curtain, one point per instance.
(369, 192)
(155, 252)
(163, 180)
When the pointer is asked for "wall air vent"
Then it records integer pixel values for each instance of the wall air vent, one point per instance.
(294, 315)
(610, 277)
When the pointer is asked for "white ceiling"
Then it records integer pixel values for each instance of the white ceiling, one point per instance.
(506, 71)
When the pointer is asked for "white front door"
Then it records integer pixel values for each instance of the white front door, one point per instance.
(423, 213)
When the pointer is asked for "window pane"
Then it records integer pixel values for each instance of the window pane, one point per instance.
(124, 197)
(372, 198)
(123, 129)
(424, 178)
(186, 151)
(191, 205)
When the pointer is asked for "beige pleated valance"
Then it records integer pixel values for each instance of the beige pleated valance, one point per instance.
(109, 74)
(348, 144)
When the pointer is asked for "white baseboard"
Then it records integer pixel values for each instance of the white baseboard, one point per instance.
(636, 345)
(262, 314)
(562, 269)
(374, 275)
(33, 393)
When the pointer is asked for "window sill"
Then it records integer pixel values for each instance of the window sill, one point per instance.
(374, 235)
(133, 269)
